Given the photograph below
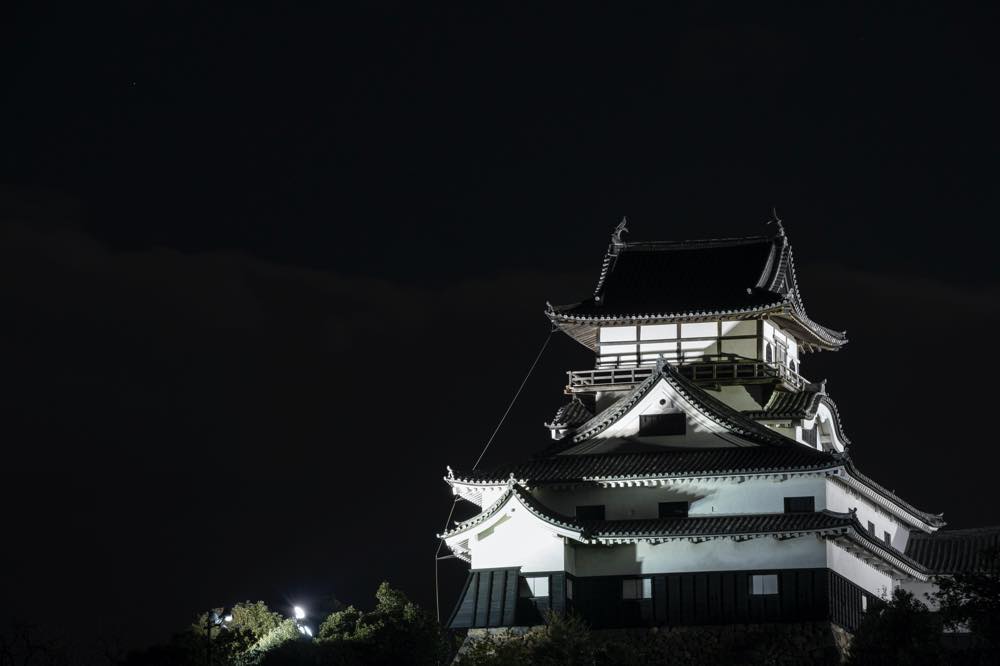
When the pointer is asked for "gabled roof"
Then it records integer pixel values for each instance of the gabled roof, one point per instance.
(660, 281)
(516, 493)
(569, 415)
(798, 405)
(706, 404)
(957, 551)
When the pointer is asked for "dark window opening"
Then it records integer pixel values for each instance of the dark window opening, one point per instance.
(887, 538)
(871, 528)
(800, 504)
(663, 424)
(810, 436)
(590, 512)
(674, 509)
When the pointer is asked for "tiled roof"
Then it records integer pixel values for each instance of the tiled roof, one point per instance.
(798, 405)
(766, 523)
(729, 461)
(571, 414)
(704, 402)
(675, 463)
(669, 280)
(956, 551)
(853, 472)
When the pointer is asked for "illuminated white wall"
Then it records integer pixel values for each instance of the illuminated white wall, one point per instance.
(805, 552)
(517, 539)
(630, 345)
(708, 498)
(857, 571)
(842, 500)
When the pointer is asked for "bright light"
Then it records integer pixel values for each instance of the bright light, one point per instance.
(301, 629)
(309, 632)
(299, 613)
(228, 618)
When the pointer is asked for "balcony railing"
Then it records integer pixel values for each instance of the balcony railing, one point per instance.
(708, 369)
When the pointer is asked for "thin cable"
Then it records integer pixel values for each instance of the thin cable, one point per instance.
(514, 399)
(451, 512)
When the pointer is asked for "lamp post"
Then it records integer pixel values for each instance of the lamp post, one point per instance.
(300, 615)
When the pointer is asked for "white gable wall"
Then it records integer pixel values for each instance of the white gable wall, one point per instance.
(517, 539)
(663, 399)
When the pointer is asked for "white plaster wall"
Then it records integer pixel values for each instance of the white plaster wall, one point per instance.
(686, 556)
(858, 572)
(842, 500)
(520, 540)
(708, 498)
(737, 397)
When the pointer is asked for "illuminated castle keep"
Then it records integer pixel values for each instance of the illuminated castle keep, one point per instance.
(695, 476)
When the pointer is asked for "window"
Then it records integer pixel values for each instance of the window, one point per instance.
(809, 436)
(637, 588)
(539, 585)
(864, 603)
(569, 588)
(887, 538)
(591, 512)
(800, 504)
(871, 528)
(761, 584)
(663, 424)
(674, 509)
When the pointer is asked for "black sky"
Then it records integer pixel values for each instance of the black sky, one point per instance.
(237, 244)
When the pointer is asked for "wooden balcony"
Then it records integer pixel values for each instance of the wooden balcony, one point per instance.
(706, 370)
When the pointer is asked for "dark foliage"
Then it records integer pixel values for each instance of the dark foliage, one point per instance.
(901, 632)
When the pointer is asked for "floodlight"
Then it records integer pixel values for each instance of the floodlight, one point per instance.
(299, 613)
(309, 632)
(228, 618)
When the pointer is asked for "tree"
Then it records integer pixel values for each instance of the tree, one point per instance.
(971, 601)
(901, 632)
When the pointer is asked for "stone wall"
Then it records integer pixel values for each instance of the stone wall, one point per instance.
(777, 644)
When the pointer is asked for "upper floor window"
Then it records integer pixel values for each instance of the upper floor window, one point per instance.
(887, 538)
(763, 584)
(800, 504)
(590, 512)
(871, 528)
(674, 509)
(637, 588)
(663, 424)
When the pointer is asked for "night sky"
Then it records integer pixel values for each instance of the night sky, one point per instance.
(266, 271)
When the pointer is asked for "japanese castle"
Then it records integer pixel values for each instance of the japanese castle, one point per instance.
(694, 476)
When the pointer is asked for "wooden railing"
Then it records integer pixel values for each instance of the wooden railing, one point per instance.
(707, 369)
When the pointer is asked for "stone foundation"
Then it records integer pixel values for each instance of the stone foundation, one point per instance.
(777, 644)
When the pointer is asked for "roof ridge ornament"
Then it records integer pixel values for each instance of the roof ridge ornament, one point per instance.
(617, 244)
(616, 237)
(776, 220)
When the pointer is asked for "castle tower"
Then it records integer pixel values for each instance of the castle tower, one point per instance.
(695, 475)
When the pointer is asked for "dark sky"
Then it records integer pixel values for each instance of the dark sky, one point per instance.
(266, 271)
